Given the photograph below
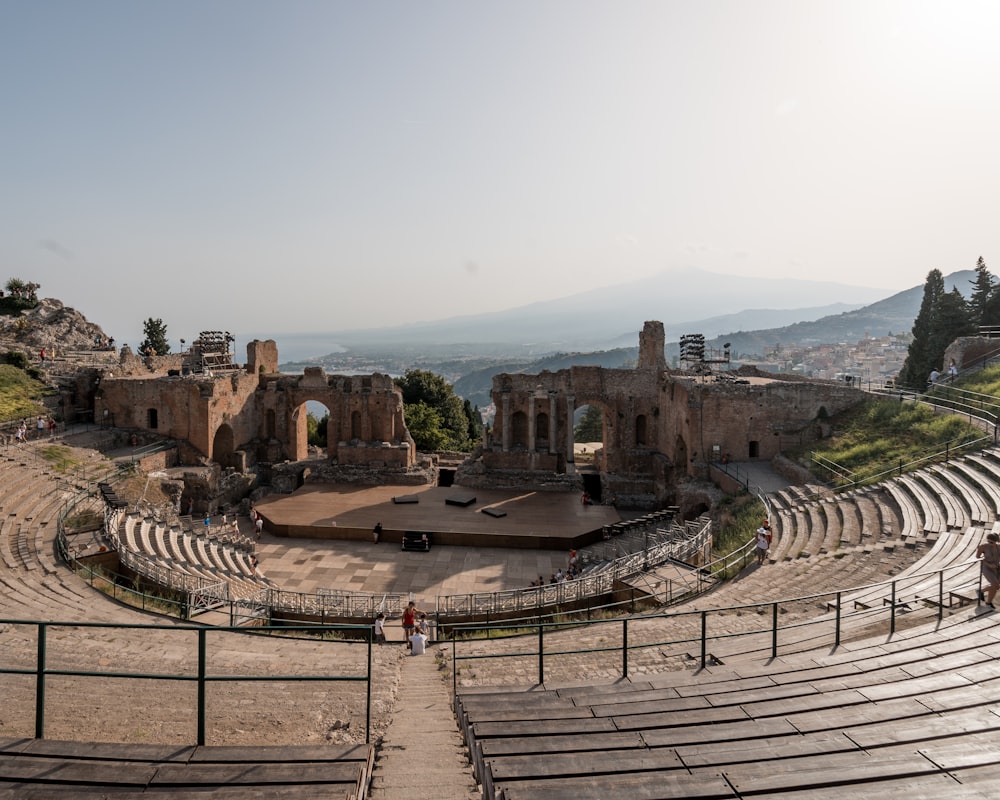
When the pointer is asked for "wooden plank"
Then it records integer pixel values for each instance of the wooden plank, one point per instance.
(645, 786)
(928, 787)
(845, 769)
(720, 754)
(722, 732)
(556, 765)
(542, 727)
(562, 743)
(109, 751)
(303, 773)
(95, 773)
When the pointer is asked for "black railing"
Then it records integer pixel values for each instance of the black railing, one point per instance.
(201, 676)
(933, 591)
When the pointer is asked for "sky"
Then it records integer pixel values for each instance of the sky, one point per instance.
(316, 165)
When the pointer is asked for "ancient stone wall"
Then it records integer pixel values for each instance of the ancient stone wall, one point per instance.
(659, 426)
(254, 415)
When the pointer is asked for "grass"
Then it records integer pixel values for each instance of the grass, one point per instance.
(59, 456)
(739, 516)
(20, 393)
(880, 435)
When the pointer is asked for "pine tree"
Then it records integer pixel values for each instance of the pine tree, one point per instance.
(982, 289)
(155, 342)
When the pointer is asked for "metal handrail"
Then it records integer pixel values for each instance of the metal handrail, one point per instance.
(891, 604)
(42, 670)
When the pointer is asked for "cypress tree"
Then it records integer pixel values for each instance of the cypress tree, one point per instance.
(919, 361)
(982, 289)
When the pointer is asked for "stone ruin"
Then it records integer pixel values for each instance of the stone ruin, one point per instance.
(661, 427)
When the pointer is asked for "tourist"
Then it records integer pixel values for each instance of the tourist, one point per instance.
(208, 521)
(933, 377)
(380, 628)
(42, 354)
(988, 554)
(763, 541)
(418, 644)
(376, 532)
(40, 427)
(259, 525)
(52, 427)
(409, 620)
(422, 624)
(952, 370)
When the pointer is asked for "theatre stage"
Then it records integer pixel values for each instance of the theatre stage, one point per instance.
(530, 519)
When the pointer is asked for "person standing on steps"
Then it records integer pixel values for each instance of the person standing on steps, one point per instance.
(988, 554)
(380, 628)
(763, 541)
(409, 621)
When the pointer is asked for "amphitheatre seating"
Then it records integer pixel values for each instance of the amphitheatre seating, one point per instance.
(830, 724)
(912, 528)
(932, 513)
(213, 560)
(987, 486)
(956, 515)
(953, 480)
(951, 549)
(42, 768)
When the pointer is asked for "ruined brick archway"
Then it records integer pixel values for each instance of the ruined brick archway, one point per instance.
(223, 450)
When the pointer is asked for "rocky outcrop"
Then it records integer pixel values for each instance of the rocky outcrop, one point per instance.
(50, 324)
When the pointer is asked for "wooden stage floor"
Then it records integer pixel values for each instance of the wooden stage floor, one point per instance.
(532, 519)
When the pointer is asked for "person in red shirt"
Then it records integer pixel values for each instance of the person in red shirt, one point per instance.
(409, 621)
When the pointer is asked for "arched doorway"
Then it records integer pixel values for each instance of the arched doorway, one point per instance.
(223, 448)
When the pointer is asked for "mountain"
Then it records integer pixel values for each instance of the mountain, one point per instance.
(611, 317)
(894, 314)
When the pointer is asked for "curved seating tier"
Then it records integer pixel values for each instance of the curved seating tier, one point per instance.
(873, 718)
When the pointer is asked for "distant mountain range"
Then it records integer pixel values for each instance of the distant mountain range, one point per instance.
(601, 328)
(683, 300)
(753, 314)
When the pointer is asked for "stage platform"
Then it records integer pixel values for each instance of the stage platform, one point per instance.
(529, 519)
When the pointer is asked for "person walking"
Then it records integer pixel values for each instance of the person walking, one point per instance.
(988, 554)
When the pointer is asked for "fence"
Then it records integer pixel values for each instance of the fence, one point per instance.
(834, 624)
(201, 676)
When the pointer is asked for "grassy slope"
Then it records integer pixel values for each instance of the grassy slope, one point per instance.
(19, 394)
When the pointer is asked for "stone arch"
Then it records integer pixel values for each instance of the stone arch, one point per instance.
(681, 453)
(541, 431)
(519, 430)
(640, 431)
(223, 449)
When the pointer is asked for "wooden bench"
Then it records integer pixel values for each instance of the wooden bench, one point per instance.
(31, 767)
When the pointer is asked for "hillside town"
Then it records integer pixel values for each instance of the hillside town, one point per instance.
(872, 362)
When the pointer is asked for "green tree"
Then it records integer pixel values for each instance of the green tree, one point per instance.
(420, 386)
(155, 331)
(919, 361)
(316, 429)
(475, 422)
(982, 290)
(590, 428)
(951, 321)
(424, 424)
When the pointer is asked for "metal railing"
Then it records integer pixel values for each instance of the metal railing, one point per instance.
(42, 670)
(832, 625)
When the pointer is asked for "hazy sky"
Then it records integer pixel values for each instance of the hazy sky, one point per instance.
(297, 165)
